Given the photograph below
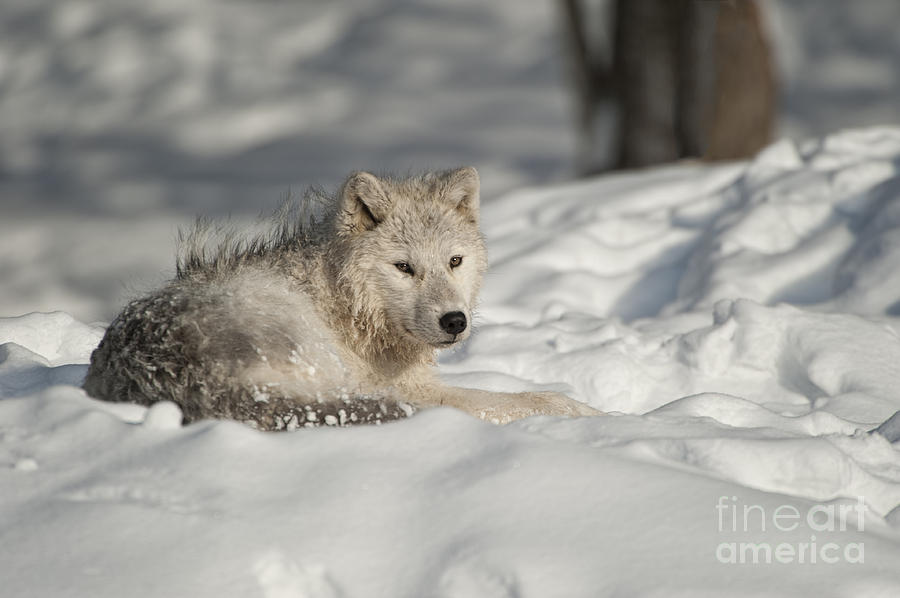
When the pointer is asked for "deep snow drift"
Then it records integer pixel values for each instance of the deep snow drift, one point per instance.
(739, 322)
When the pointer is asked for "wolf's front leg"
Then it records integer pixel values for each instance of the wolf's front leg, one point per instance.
(504, 407)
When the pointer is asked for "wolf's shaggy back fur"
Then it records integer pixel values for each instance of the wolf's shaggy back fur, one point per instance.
(211, 247)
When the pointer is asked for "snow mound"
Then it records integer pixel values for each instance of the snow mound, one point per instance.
(739, 322)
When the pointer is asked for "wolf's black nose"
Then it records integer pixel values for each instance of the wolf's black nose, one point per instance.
(453, 322)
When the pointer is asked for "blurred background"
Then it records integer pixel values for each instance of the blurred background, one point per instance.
(120, 121)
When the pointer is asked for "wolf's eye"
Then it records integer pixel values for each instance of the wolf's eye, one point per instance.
(404, 267)
(455, 261)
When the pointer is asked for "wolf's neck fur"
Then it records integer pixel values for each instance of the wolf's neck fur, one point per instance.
(368, 334)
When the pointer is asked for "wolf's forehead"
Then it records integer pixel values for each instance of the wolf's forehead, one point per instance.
(429, 215)
(438, 229)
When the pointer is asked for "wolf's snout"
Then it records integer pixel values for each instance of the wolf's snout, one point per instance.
(453, 322)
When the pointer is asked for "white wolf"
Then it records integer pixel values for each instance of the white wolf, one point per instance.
(333, 322)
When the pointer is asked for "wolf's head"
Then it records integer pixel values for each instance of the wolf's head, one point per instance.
(412, 257)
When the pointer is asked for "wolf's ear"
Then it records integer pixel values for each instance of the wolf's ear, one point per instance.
(462, 190)
(364, 202)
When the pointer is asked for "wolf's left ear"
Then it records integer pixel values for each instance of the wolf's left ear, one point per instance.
(462, 190)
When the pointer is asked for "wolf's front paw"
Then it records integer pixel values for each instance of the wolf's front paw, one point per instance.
(555, 403)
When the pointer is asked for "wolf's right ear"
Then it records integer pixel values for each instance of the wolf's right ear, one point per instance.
(364, 203)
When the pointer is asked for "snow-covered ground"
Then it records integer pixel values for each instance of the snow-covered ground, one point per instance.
(739, 322)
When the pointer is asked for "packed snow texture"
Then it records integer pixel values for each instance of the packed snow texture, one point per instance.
(739, 323)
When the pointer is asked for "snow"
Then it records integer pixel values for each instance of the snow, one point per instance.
(739, 323)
